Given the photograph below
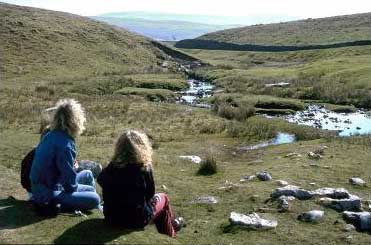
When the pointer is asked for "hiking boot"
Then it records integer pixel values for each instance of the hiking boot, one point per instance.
(178, 223)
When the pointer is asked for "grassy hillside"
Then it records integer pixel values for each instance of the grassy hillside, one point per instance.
(45, 45)
(303, 32)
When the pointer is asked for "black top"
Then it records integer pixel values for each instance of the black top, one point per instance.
(127, 195)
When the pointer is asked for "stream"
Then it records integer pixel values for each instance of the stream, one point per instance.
(346, 124)
(196, 91)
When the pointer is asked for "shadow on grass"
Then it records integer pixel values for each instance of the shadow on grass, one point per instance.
(92, 231)
(16, 213)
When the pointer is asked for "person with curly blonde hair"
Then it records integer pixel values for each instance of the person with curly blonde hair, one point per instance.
(54, 180)
(129, 190)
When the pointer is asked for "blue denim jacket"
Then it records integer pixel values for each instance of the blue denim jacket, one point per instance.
(53, 166)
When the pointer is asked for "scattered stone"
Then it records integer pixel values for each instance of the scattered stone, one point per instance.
(336, 193)
(247, 178)
(284, 203)
(312, 183)
(280, 84)
(282, 183)
(361, 220)
(288, 198)
(194, 159)
(357, 181)
(314, 156)
(349, 228)
(291, 190)
(164, 187)
(252, 221)
(229, 185)
(205, 200)
(311, 216)
(353, 203)
(264, 176)
(293, 155)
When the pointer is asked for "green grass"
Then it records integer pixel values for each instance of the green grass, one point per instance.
(338, 76)
(150, 94)
(302, 32)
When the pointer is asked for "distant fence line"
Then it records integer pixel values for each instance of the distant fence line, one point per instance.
(216, 45)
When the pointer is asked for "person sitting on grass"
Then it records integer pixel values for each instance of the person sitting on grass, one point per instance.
(129, 190)
(54, 181)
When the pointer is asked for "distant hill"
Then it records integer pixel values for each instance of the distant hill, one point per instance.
(163, 30)
(43, 44)
(205, 19)
(320, 31)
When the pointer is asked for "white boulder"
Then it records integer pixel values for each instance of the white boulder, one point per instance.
(252, 221)
(311, 216)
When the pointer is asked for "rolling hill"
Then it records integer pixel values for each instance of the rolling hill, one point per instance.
(320, 31)
(163, 30)
(42, 44)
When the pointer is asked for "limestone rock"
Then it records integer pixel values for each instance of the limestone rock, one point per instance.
(247, 178)
(293, 155)
(284, 203)
(252, 221)
(357, 181)
(361, 220)
(292, 190)
(335, 193)
(353, 203)
(282, 183)
(311, 216)
(194, 159)
(205, 200)
(263, 176)
(314, 156)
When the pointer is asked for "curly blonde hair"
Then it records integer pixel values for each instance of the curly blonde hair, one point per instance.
(133, 147)
(68, 116)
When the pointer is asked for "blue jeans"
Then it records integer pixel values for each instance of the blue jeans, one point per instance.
(84, 198)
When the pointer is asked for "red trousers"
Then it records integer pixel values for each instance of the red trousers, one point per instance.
(163, 215)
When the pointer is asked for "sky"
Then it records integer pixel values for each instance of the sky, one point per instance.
(297, 8)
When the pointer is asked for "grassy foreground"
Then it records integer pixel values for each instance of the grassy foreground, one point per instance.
(206, 223)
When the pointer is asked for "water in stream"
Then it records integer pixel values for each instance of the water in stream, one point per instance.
(347, 124)
(195, 92)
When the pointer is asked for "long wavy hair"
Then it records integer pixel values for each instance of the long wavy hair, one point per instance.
(68, 116)
(133, 147)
